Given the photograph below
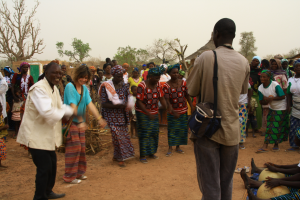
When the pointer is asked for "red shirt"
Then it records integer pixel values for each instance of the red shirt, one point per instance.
(176, 97)
(24, 82)
(150, 98)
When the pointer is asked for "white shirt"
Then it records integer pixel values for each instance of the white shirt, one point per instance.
(42, 103)
(125, 77)
(142, 71)
(271, 91)
(294, 89)
(244, 97)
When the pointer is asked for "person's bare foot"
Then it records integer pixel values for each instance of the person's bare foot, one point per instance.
(245, 178)
(250, 194)
(254, 169)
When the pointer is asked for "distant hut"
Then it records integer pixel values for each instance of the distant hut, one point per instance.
(210, 45)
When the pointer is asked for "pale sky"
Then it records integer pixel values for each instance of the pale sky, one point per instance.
(109, 24)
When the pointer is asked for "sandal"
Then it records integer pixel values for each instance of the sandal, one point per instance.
(122, 164)
(179, 151)
(242, 147)
(292, 149)
(153, 156)
(238, 170)
(75, 181)
(144, 160)
(82, 177)
(276, 149)
(169, 154)
(261, 150)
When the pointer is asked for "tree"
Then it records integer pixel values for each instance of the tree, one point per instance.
(162, 50)
(18, 33)
(292, 53)
(80, 50)
(247, 43)
(130, 55)
(180, 53)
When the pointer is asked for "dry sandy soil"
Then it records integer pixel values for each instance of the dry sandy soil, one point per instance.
(166, 178)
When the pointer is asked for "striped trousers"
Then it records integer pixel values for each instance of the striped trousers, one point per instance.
(75, 160)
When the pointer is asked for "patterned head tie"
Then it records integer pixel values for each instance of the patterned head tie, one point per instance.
(144, 65)
(296, 62)
(268, 73)
(9, 70)
(284, 60)
(181, 72)
(156, 71)
(24, 63)
(125, 65)
(92, 68)
(118, 69)
(136, 69)
(176, 66)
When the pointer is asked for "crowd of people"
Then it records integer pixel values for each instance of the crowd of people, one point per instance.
(262, 94)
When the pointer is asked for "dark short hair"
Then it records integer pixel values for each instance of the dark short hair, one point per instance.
(150, 63)
(113, 60)
(107, 60)
(226, 27)
(106, 65)
(132, 87)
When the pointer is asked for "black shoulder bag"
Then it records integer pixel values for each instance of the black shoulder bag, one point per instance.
(206, 120)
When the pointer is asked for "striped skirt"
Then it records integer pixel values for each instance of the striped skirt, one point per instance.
(75, 161)
(294, 195)
(243, 116)
(123, 148)
(148, 134)
(3, 151)
(295, 124)
(177, 130)
(277, 127)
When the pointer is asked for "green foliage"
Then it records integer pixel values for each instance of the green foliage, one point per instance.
(247, 43)
(80, 50)
(292, 53)
(132, 56)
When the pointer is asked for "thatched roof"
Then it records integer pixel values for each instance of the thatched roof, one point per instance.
(208, 46)
(295, 56)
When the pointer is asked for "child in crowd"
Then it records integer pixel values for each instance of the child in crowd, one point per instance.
(16, 111)
(100, 75)
(133, 127)
(252, 117)
(3, 134)
(135, 79)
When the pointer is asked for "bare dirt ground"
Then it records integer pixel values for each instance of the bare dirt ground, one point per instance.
(166, 178)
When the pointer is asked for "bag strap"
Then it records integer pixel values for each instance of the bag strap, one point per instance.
(71, 119)
(215, 85)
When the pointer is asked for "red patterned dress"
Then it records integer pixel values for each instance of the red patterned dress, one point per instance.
(148, 129)
(177, 128)
(118, 121)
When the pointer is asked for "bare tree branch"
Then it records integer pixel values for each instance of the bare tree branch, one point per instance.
(18, 33)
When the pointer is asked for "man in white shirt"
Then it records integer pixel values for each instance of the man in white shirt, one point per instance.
(125, 75)
(41, 129)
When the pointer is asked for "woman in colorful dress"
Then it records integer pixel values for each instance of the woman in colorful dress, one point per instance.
(22, 80)
(115, 97)
(293, 105)
(279, 74)
(149, 93)
(74, 94)
(3, 134)
(135, 79)
(255, 83)
(243, 114)
(177, 97)
(271, 93)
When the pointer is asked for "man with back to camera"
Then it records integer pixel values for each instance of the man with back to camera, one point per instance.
(216, 157)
